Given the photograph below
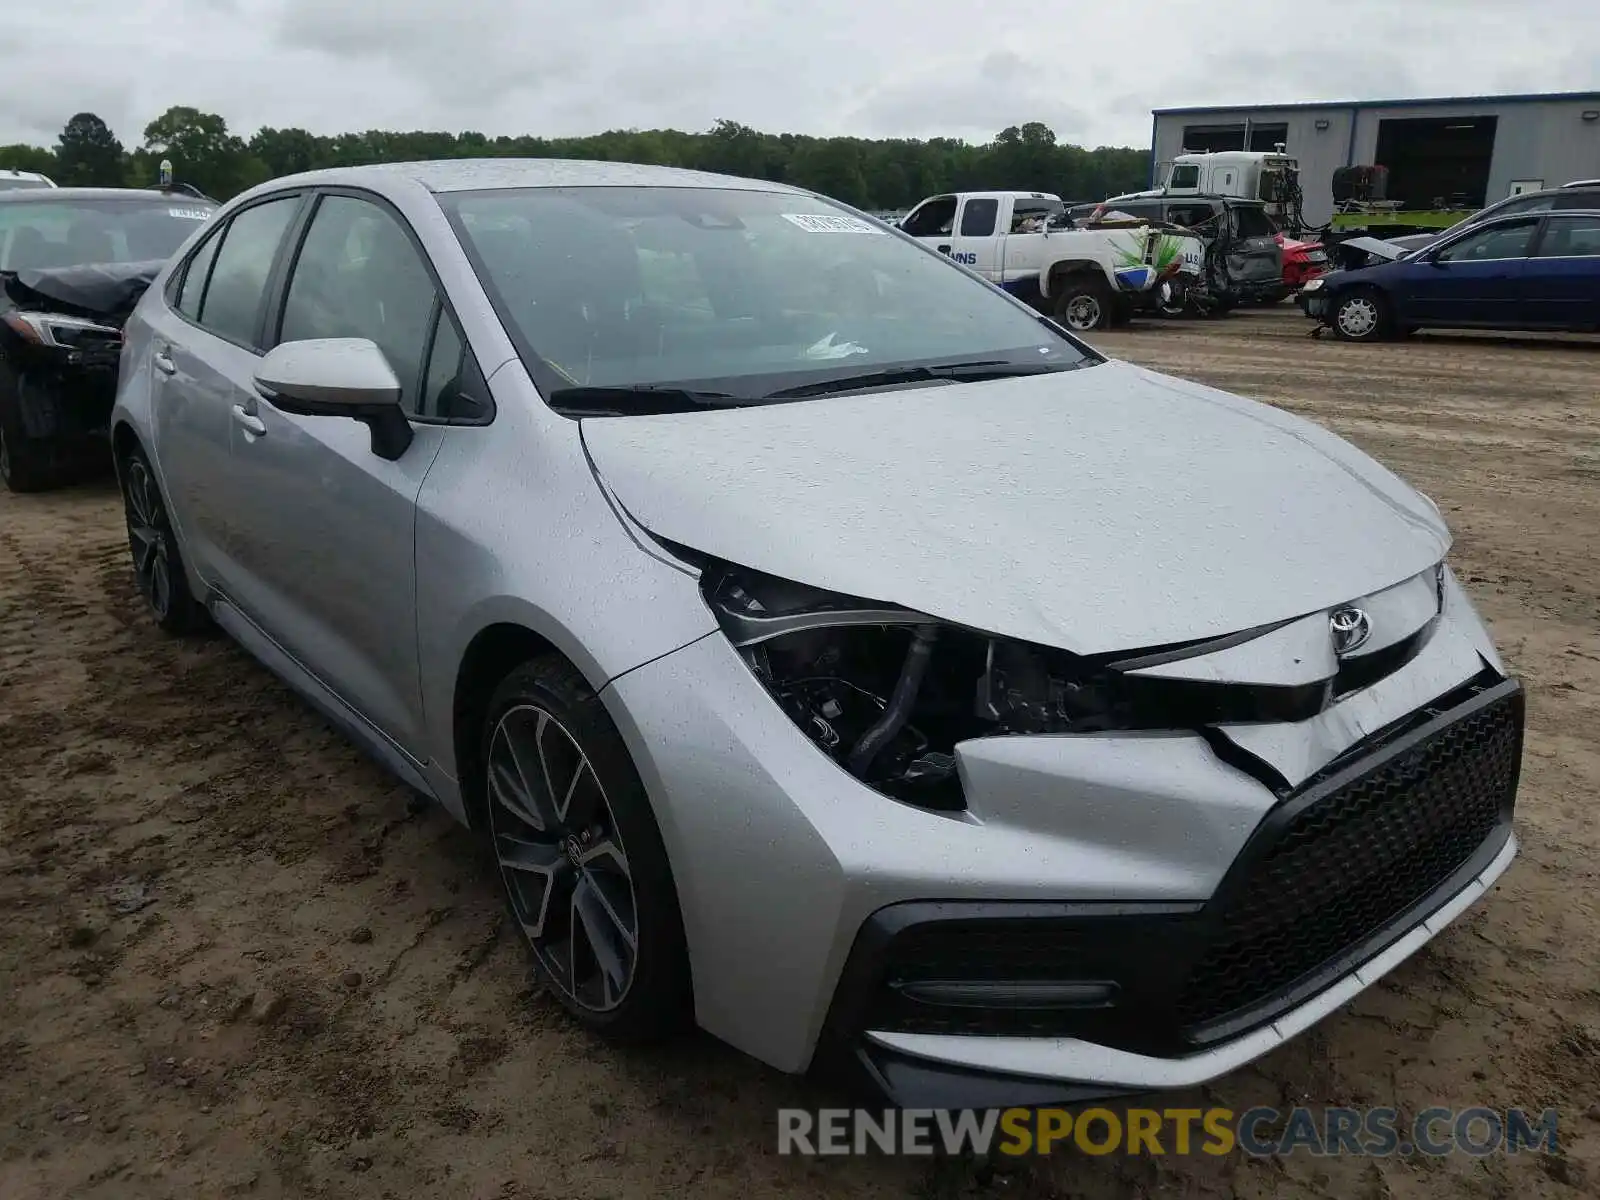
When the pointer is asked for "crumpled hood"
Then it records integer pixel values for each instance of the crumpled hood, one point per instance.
(95, 290)
(1109, 508)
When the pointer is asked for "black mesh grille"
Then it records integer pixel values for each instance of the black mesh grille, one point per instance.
(1356, 859)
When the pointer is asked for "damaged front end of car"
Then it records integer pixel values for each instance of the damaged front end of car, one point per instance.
(60, 346)
(1382, 737)
(889, 693)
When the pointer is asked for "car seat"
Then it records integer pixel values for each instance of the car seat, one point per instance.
(30, 248)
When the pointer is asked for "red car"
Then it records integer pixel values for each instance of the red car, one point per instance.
(1302, 261)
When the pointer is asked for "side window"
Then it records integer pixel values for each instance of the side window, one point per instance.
(359, 276)
(194, 277)
(1185, 175)
(1571, 237)
(933, 219)
(231, 305)
(1531, 204)
(1578, 198)
(1190, 216)
(443, 380)
(977, 218)
(1502, 241)
(1029, 217)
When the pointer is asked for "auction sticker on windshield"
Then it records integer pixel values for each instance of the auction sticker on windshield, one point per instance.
(192, 214)
(828, 223)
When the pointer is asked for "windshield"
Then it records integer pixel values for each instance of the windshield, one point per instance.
(71, 233)
(741, 294)
(1250, 222)
(13, 184)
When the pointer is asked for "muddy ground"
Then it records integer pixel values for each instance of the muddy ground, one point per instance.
(235, 959)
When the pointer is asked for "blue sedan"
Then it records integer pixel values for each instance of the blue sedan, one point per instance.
(1535, 271)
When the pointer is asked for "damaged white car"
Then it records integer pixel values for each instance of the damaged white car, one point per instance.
(829, 648)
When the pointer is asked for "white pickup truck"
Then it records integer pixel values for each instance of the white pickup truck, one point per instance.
(1022, 241)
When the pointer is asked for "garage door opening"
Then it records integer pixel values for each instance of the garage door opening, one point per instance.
(1437, 162)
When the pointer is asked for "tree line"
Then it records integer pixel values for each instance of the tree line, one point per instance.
(871, 173)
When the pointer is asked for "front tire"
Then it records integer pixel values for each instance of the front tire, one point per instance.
(158, 572)
(26, 464)
(1361, 315)
(580, 857)
(1083, 304)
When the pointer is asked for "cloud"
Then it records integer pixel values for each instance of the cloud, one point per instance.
(870, 67)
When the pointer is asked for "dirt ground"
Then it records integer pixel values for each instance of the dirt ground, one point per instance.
(236, 959)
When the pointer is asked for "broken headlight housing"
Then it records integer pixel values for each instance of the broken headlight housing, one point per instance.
(889, 693)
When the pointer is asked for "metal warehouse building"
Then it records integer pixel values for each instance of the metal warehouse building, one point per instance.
(1465, 151)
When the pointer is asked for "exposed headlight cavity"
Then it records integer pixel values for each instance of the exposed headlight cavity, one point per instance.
(888, 693)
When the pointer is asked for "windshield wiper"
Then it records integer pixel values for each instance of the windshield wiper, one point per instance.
(996, 368)
(637, 400)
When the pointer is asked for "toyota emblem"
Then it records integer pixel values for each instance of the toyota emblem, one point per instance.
(1350, 628)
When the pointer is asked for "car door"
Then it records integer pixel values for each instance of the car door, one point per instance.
(326, 528)
(1561, 281)
(1475, 278)
(204, 347)
(933, 221)
(975, 243)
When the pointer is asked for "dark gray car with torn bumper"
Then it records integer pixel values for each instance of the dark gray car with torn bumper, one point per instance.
(73, 263)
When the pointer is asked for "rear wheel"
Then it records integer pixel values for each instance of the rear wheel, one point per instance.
(26, 464)
(1361, 315)
(1083, 304)
(158, 572)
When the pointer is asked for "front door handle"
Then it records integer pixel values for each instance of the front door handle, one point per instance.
(163, 362)
(249, 422)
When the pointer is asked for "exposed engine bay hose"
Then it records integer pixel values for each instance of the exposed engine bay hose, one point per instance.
(898, 711)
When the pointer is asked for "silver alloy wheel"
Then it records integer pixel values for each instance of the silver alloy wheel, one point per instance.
(562, 859)
(152, 566)
(1357, 317)
(1083, 312)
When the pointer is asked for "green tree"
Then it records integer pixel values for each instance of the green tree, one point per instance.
(200, 147)
(89, 153)
(35, 159)
(286, 151)
(875, 173)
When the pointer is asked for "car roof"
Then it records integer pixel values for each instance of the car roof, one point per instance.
(483, 174)
(1507, 218)
(62, 195)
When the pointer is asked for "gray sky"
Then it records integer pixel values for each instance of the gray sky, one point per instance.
(916, 68)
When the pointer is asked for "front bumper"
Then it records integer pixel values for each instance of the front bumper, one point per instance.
(63, 397)
(1343, 881)
(1313, 304)
(1137, 858)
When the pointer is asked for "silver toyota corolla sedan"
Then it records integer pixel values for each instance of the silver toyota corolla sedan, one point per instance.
(829, 648)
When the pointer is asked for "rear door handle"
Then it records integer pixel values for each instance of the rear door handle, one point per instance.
(944, 249)
(249, 422)
(163, 362)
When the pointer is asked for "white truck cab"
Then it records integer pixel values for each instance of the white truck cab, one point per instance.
(1249, 174)
(1024, 243)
